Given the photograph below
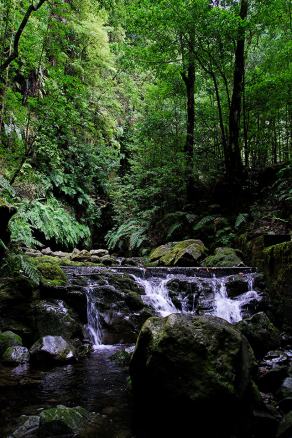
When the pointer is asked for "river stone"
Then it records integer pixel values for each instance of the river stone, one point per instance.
(260, 332)
(9, 339)
(52, 349)
(195, 370)
(184, 253)
(54, 318)
(15, 355)
(224, 257)
(64, 421)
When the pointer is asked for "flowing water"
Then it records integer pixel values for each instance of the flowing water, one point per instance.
(96, 382)
(208, 287)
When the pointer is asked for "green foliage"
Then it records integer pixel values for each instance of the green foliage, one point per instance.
(16, 264)
(131, 235)
(49, 218)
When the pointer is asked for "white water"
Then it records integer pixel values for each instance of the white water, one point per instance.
(93, 327)
(210, 293)
(157, 296)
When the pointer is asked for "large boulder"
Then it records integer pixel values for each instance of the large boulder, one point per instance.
(50, 349)
(9, 339)
(196, 371)
(55, 318)
(184, 253)
(224, 257)
(278, 273)
(15, 355)
(260, 332)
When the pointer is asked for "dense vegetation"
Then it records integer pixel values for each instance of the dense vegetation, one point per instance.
(119, 119)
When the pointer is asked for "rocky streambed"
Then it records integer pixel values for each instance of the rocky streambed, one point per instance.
(65, 353)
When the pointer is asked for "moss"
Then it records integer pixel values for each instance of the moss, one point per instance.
(223, 258)
(61, 261)
(172, 253)
(51, 271)
(9, 339)
(278, 274)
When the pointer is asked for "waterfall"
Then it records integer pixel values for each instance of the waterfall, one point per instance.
(93, 327)
(157, 295)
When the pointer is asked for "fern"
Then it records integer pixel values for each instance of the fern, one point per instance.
(131, 233)
(18, 264)
(51, 219)
(6, 186)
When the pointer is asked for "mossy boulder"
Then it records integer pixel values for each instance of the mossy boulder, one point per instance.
(184, 253)
(224, 257)
(64, 421)
(195, 370)
(261, 333)
(278, 274)
(50, 349)
(9, 339)
(15, 355)
(51, 272)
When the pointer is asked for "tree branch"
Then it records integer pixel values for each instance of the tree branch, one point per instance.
(14, 54)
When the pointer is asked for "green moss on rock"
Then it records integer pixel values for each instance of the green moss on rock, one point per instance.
(278, 273)
(186, 252)
(51, 272)
(9, 339)
(224, 257)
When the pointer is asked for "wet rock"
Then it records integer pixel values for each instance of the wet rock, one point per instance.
(285, 428)
(236, 285)
(54, 318)
(15, 355)
(270, 379)
(195, 370)
(9, 339)
(260, 332)
(52, 349)
(184, 253)
(28, 427)
(108, 261)
(224, 257)
(64, 421)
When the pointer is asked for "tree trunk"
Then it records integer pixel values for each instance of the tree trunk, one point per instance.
(189, 80)
(234, 167)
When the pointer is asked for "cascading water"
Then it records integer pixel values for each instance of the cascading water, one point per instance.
(113, 316)
(157, 295)
(93, 327)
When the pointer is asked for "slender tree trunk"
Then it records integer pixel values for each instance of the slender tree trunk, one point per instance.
(235, 168)
(221, 120)
(189, 80)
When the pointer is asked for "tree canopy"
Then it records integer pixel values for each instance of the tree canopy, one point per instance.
(115, 113)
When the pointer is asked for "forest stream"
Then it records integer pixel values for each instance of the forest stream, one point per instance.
(97, 382)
